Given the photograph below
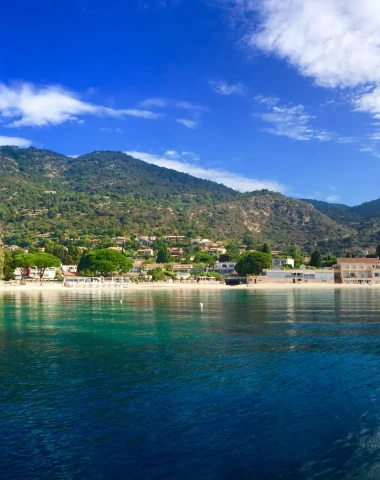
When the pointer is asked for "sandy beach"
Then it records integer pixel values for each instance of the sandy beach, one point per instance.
(56, 287)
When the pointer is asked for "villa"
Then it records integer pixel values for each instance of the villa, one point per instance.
(357, 270)
(281, 262)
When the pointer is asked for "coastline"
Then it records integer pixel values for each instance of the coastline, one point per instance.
(48, 287)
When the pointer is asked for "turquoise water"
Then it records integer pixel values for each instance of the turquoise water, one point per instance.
(279, 384)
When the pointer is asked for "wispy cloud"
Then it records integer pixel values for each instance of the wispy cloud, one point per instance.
(154, 102)
(332, 198)
(290, 121)
(336, 43)
(26, 104)
(230, 179)
(111, 130)
(221, 87)
(192, 124)
(16, 141)
(191, 106)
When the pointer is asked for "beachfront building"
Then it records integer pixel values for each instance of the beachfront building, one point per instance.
(182, 271)
(32, 273)
(357, 270)
(224, 268)
(69, 268)
(278, 263)
(323, 275)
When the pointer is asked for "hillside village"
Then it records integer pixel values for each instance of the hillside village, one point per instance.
(180, 258)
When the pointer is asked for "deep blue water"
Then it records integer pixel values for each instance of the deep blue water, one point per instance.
(279, 384)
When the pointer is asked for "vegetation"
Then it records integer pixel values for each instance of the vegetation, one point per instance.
(316, 259)
(104, 262)
(44, 194)
(41, 261)
(2, 263)
(252, 263)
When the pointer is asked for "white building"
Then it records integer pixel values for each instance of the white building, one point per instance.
(224, 268)
(281, 262)
(69, 268)
(32, 273)
(300, 275)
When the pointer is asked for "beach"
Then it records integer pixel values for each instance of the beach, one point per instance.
(50, 286)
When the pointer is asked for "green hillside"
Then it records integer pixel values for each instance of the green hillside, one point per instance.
(110, 193)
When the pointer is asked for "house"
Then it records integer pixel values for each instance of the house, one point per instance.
(281, 262)
(145, 251)
(32, 273)
(69, 268)
(217, 250)
(176, 252)
(299, 276)
(174, 238)
(182, 271)
(11, 248)
(146, 240)
(224, 268)
(137, 266)
(119, 240)
(357, 270)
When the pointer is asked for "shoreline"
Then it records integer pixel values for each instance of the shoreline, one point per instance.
(47, 287)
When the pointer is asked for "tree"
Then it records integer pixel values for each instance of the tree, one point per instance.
(253, 263)
(329, 260)
(2, 262)
(248, 242)
(163, 255)
(205, 258)
(316, 259)
(266, 248)
(104, 262)
(296, 254)
(43, 261)
(378, 251)
(157, 274)
(232, 252)
(8, 271)
(24, 261)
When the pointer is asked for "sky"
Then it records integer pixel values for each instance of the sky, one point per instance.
(283, 95)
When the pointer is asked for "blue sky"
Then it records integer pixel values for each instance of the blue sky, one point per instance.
(250, 93)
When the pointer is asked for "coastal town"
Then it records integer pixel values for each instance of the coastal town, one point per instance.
(179, 259)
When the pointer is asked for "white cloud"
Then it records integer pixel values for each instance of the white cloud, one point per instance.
(17, 141)
(269, 101)
(29, 105)
(190, 106)
(332, 198)
(290, 121)
(154, 102)
(221, 87)
(335, 42)
(230, 179)
(172, 154)
(191, 156)
(188, 123)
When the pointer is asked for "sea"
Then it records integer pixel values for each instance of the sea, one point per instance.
(254, 384)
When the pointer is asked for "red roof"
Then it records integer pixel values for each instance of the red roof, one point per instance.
(359, 260)
(71, 274)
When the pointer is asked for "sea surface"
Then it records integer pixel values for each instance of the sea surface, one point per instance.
(259, 385)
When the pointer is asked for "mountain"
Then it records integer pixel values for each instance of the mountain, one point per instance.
(110, 193)
(364, 218)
